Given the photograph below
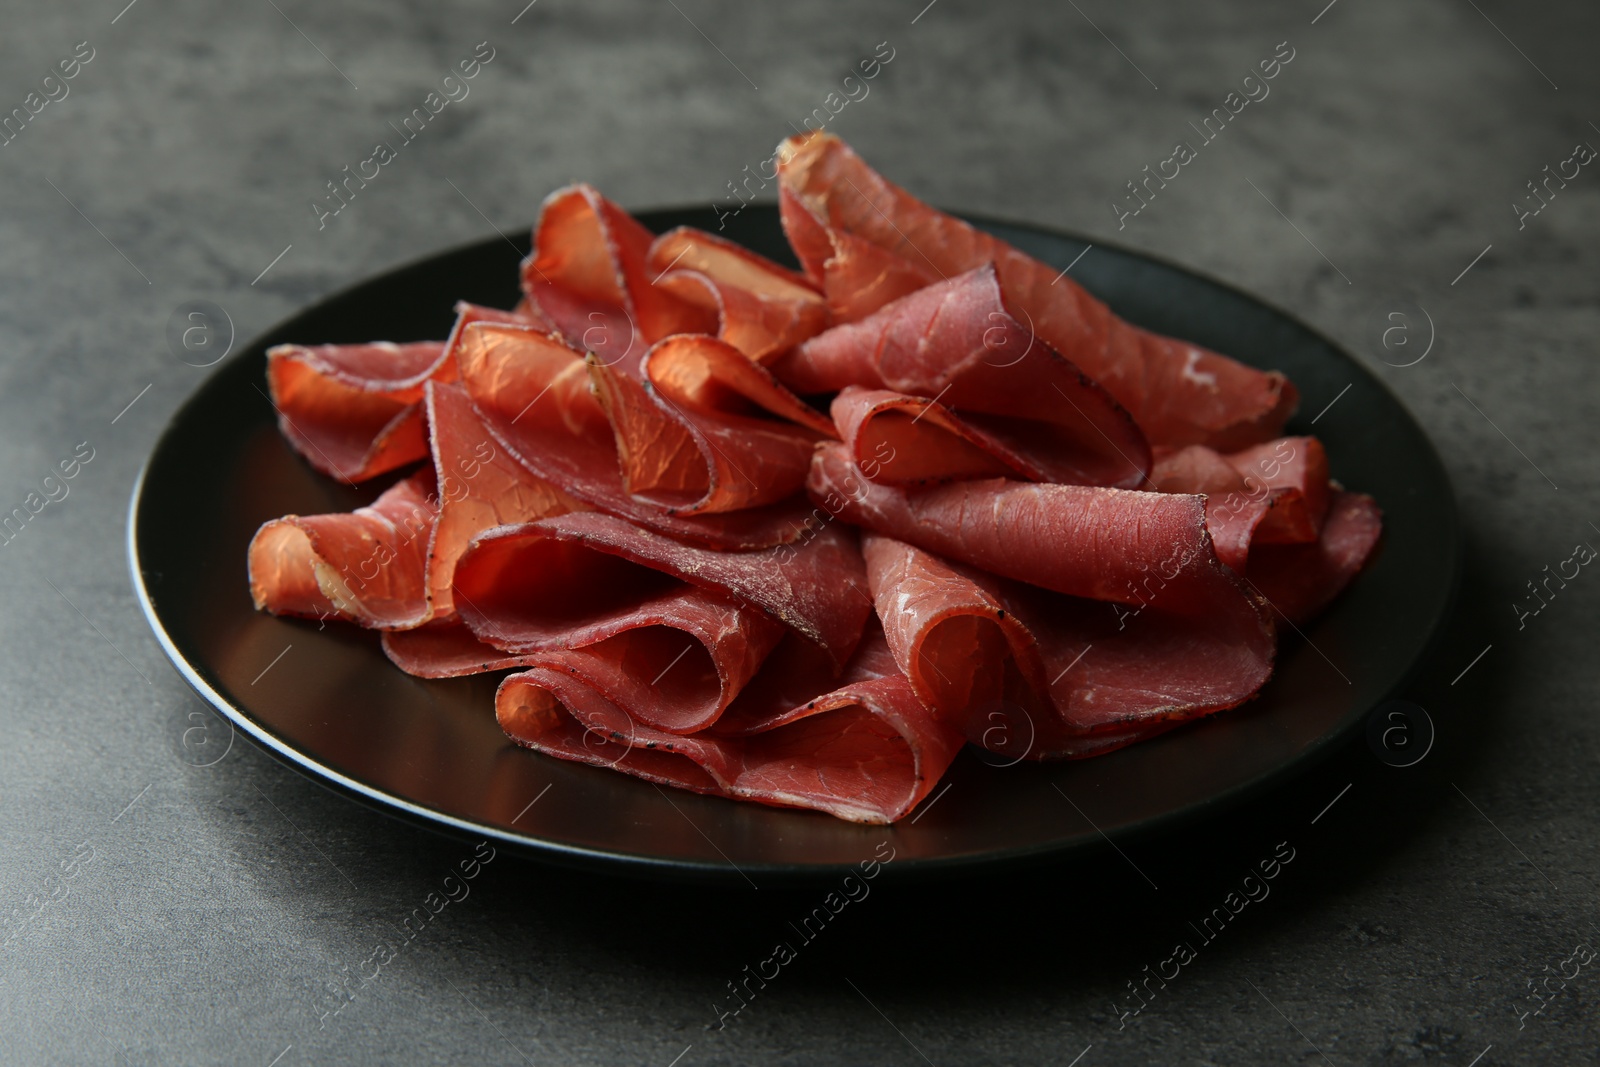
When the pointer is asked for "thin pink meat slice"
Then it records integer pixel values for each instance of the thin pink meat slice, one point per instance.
(704, 430)
(961, 343)
(367, 566)
(760, 308)
(1179, 393)
(817, 589)
(1301, 580)
(533, 392)
(1031, 674)
(589, 275)
(355, 411)
(862, 749)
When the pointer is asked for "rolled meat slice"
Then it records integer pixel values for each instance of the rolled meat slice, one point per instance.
(1299, 580)
(533, 392)
(959, 343)
(588, 274)
(1136, 562)
(352, 410)
(857, 277)
(355, 411)
(862, 748)
(911, 441)
(480, 485)
(678, 437)
(1273, 493)
(513, 578)
(758, 307)
(1179, 393)
(367, 566)
(1032, 674)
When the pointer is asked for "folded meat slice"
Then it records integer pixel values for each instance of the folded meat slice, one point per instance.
(862, 748)
(706, 404)
(367, 566)
(1116, 545)
(1178, 392)
(1182, 633)
(588, 274)
(516, 585)
(911, 441)
(1028, 673)
(1299, 580)
(857, 277)
(533, 392)
(355, 411)
(480, 486)
(1273, 493)
(443, 648)
(958, 342)
(351, 410)
(752, 303)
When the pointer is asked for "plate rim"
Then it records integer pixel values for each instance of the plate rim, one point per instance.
(644, 865)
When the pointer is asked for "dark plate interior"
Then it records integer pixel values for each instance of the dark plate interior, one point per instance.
(335, 708)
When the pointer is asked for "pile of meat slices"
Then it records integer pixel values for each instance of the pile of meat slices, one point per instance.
(797, 537)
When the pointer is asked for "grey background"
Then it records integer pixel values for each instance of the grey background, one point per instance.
(220, 899)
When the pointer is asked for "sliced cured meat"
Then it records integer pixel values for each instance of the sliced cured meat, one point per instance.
(1179, 393)
(351, 410)
(905, 440)
(958, 342)
(676, 442)
(532, 390)
(1273, 493)
(443, 648)
(866, 750)
(1085, 541)
(367, 566)
(1300, 580)
(702, 375)
(675, 651)
(354, 411)
(1031, 674)
(480, 486)
(856, 276)
(595, 561)
(588, 274)
(752, 303)
(1294, 471)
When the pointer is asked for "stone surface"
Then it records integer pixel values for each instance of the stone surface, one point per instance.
(220, 901)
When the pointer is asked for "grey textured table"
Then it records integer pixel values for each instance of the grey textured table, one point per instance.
(168, 898)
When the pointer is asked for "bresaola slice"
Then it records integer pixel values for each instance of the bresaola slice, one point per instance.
(588, 274)
(1147, 556)
(1273, 493)
(1117, 545)
(1277, 519)
(355, 411)
(958, 342)
(703, 404)
(755, 305)
(368, 566)
(862, 749)
(480, 486)
(1179, 393)
(1031, 674)
(1300, 580)
(351, 410)
(533, 392)
(512, 578)
(897, 439)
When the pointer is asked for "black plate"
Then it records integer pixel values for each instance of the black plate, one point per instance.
(334, 707)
